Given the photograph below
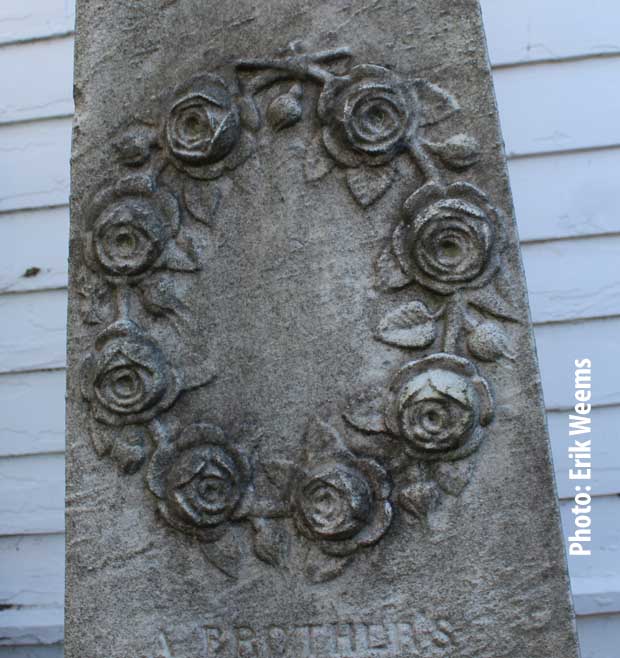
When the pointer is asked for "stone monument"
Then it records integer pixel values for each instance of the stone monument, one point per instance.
(304, 412)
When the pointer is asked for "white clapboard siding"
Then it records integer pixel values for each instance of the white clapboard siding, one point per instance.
(560, 344)
(598, 636)
(573, 279)
(32, 570)
(32, 494)
(558, 107)
(31, 626)
(530, 30)
(54, 651)
(41, 651)
(606, 461)
(34, 249)
(33, 333)
(46, 65)
(32, 409)
(566, 194)
(595, 579)
(23, 20)
(34, 159)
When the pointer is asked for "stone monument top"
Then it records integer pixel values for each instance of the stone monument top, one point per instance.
(305, 417)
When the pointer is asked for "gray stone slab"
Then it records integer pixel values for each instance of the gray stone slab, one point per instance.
(304, 409)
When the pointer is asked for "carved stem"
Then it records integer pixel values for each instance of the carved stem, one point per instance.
(267, 509)
(159, 432)
(123, 302)
(300, 67)
(454, 318)
(424, 162)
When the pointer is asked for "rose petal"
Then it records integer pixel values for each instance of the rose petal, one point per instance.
(436, 104)
(342, 155)
(379, 526)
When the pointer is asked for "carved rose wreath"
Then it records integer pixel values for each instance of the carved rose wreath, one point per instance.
(404, 440)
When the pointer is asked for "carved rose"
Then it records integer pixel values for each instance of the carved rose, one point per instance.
(452, 238)
(439, 405)
(370, 115)
(341, 502)
(127, 379)
(204, 132)
(201, 481)
(129, 227)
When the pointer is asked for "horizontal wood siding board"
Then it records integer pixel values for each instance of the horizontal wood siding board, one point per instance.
(23, 20)
(530, 30)
(52, 651)
(567, 194)
(558, 107)
(36, 80)
(31, 626)
(34, 158)
(559, 345)
(33, 335)
(40, 262)
(32, 570)
(32, 494)
(32, 408)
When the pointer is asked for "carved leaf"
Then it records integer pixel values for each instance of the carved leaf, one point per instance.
(95, 301)
(271, 541)
(101, 439)
(489, 342)
(489, 302)
(389, 274)
(318, 164)
(280, 473)
(419, 499)
(180, 258)
(368, 184)
(436, 103)
(382, 447)
(411, 325)
(321, 438)
(453, 477)
(197, 371)
(202, 199)
(365, 411)
(129, 449)
(321, 568)
(458, 152)
(224, 556)
(160, 299)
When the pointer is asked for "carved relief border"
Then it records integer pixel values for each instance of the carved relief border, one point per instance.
(404, 443)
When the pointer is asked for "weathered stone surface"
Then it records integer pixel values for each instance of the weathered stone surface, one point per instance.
(305, 416)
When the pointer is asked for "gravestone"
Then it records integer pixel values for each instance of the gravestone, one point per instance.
(304, 410)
